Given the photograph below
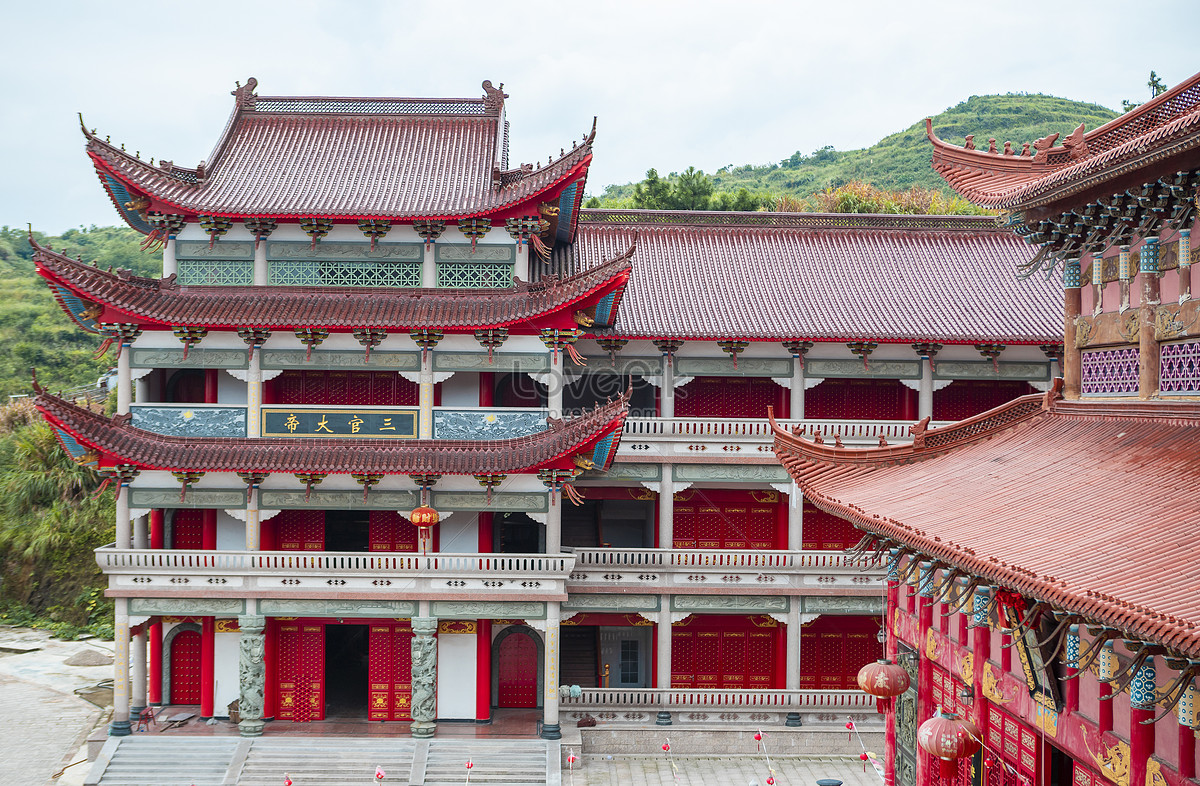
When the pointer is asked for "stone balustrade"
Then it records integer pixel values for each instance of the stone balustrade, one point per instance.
(695, 706)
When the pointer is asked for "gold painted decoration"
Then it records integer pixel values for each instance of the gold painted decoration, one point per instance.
(966, 669)
(764, 621)
(764, 496)
(456, 626)
(1046, 718)
(227, 626)
(932, 650)
(991, 686)
(1154, 776)
(1113, 763)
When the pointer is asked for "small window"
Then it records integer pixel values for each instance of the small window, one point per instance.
(630, 661)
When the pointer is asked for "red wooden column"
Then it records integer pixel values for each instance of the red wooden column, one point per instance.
(483, 669)
(271, 656)
(1107, 667)
(157, 530)
(487, 388)
(1142, 698)
(891, 606)
(208, 529)
(154, 632)
(486, 541)
(1187, 751)
(210, 385)
(208, 652)
(924, 664)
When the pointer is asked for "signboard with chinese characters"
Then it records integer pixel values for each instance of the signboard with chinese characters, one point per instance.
(365, 423)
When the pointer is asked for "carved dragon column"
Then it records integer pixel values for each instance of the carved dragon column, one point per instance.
(1071, 304)
(1148, 356)
(252, 674)
(424, 677)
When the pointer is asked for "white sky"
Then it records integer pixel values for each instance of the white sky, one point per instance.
(673, 83)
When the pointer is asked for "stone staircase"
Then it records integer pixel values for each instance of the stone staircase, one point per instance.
(321, 761)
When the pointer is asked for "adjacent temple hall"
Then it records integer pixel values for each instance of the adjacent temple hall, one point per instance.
(404, 434)
(1042, 578)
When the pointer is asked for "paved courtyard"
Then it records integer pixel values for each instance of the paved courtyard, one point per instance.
(39, 726)
(715, 771)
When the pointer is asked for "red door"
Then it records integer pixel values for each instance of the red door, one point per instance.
(833, 648)
(517, 666)
(301, 672)
(724, 652)
(185, 668)
(187, 529)
(389, 531)
(729, 519)
(389, 672)
(301, 530)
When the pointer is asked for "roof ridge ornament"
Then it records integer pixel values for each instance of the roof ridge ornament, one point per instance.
(493, 97)
(244, 95)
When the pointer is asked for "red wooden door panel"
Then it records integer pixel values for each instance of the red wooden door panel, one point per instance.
(760, 659)
(301, 530)
(389, 531)
(729, 397)
(185, 668)
(301, 672)
(516, 684)
(724, 652)
(390, 672)
(833, 648)
(727, 519)
(187, 528)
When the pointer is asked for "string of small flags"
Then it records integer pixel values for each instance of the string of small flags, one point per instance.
(762, 748)
(571, 759)
(866, 756)
(667, 750)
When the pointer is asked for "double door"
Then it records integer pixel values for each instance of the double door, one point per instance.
(389, 672)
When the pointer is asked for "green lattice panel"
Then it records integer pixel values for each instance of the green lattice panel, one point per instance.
(474, 275)
(216, 272)
(328, 273)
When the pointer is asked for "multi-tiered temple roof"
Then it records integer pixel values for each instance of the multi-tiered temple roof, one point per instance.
(285, 157)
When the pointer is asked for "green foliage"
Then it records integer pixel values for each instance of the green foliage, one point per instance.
(1157, 87)
(865, 198)
(34, 332)
(51, 520)
(897, 162)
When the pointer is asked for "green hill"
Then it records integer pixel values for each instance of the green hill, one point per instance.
(901, 160)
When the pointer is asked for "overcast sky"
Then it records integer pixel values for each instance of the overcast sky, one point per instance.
(673, 83)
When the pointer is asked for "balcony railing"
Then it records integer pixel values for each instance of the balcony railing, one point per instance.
(817, 709)
(315, 574)
(734, 572)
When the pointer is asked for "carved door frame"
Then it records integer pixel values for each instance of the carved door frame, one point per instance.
(541, 661)
(167, 645)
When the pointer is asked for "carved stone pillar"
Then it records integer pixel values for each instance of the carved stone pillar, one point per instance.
(792, 673)
(550, 727)
(662, 632)
(252, 674)
(424, 677)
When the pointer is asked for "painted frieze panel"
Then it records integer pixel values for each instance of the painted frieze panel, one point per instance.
(486, 424)
(299, 249)
(1111, 327)
(833, 604)
(194, 498)
(187, 606)
(186, 421)
(1177, 320)
(615, 603)
(725, 604)
(499, 361)
(226, 249)
(328, 422)
(501, 501)
(975, 369)
(336, 500)
(198, 357)
(278, 607)
(522, 610)
(724, 367)
(321, 359)
(746, 473)
(623, 366)
(623, 470)
(886, 369)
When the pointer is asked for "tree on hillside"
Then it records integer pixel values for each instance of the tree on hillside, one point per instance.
(1157, 88)
(653, 193)
(692, 191)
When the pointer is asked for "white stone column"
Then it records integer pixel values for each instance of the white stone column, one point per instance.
(141, 531)
(254, 386)
(425, 394)
(666, 394)
(550, 727)
(124, 526)
(792, 642)
(260, 263)
(662, 633)
(141, 390)
(429, 266)
(796, 393)
(521, 271)
(124, 379)
(120, 726)
(795, 519)
(925, 392)
(554, 523)
(666, 510)
(137, 674)
(253, 522)
(170, 267)
(554, 383)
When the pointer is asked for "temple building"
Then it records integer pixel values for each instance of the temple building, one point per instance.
(403, 434)
(1042, 573)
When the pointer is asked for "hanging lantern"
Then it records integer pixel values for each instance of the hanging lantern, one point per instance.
(949, 738)
(884, 680)
(425, 519)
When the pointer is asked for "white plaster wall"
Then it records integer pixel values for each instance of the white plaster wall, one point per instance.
(231, 533)
(461, 390)
(456, 676)
(459, 534)
(230, 390)
(225, 672)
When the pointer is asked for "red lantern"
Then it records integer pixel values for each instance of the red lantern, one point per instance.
(884, 680)
(425, 519)
(949, 738)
